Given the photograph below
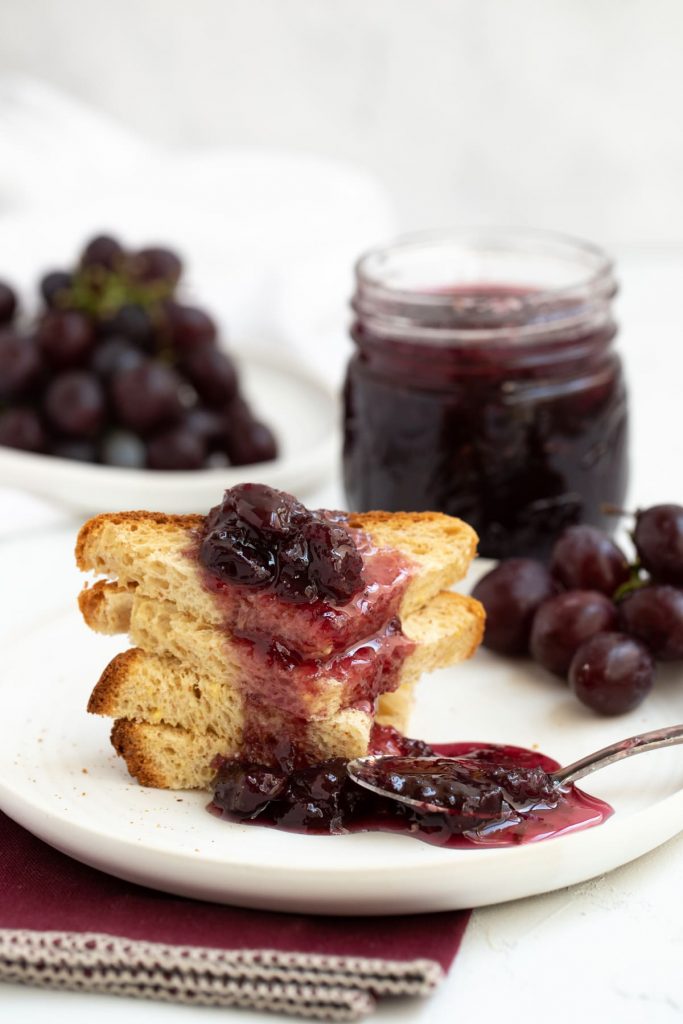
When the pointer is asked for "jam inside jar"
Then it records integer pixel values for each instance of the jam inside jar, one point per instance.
(485, 384)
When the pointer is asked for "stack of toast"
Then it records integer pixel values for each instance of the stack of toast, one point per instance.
(253, 677)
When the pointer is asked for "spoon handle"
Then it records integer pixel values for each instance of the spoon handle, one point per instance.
(617, 751)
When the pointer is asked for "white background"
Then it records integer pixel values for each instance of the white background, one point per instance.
(554, 113)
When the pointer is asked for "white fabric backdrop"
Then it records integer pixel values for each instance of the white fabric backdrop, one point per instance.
(269, 237)
(561, 114)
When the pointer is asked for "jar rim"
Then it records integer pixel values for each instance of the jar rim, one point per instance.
(603, 263)
(399, 309)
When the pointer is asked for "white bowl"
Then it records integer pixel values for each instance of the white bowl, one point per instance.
(300, 411)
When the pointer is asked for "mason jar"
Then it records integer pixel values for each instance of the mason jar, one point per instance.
(485, 383)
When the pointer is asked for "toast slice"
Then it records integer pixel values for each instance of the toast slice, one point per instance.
(446, 630)
(158, 698)
(171, 715)
(170, 757)
(410, 558)
(222, 668)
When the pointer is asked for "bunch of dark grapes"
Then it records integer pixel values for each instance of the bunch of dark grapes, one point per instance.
(591, 616)
(116, 369)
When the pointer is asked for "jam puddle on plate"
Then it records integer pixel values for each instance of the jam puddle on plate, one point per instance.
(322, 799)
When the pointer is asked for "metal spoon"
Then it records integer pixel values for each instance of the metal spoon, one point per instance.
(382, 774)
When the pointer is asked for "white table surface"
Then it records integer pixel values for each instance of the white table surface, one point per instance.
(609, 949)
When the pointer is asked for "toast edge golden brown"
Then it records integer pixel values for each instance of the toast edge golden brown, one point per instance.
(435, 528)
(88, 533)
(387, 529)
(130, 744)
(106, 607)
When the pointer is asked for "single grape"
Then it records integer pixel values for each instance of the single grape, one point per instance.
(147, 397)
(124, 449)
(212, 374)
(562, 624)
(586, 559)
(658, 538)
(132, 322)
(65, 337)
(20, 366)
(103, 252)
(21, 428)
(178, 448)
(55, 288)
(208, 424)
(73, 448)
(8, 303)
(511, 594)
(114, 354)
(611, 673)
(254, 442)
(654, 615)
(236, 414)
(75, 404)
(155, 264)
(188, 327)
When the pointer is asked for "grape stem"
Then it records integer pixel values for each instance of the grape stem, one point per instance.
(635, 582)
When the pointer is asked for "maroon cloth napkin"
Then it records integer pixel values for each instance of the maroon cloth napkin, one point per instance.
(65, 925)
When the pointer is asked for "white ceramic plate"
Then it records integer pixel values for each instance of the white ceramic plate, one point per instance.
(60, 778)
(302, 414)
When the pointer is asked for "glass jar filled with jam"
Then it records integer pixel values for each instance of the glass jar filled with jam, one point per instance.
(485, 384)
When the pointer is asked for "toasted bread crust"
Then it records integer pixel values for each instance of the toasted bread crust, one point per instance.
(375, 522)
(106, 607)
(103, 698)
(165, 746)
(158, 554)
(377, 518)
(129, 743)
(87, 535)
(92, 601)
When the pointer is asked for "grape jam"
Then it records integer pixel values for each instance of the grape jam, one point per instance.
(494, 781)
(278, 577)
(501, 403)
(311, 608)
(263, 538)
